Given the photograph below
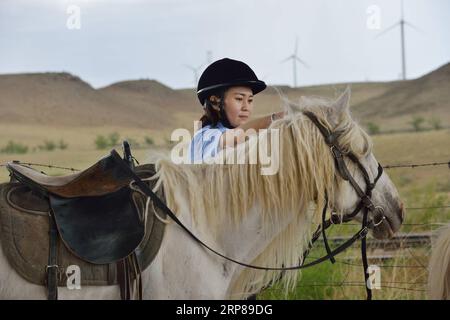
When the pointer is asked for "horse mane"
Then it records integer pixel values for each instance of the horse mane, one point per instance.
(306, 170)
(439, 266)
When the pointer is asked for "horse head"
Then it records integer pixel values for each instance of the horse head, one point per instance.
(355, 147)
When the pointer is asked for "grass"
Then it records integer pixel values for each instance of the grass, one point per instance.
(402, 278)
(81, 151)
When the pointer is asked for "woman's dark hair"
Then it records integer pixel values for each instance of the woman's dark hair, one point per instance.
(215, 113)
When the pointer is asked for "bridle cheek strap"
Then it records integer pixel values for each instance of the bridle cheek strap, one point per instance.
(365, 202)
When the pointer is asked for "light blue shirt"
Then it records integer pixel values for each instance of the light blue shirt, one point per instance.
(205, 142)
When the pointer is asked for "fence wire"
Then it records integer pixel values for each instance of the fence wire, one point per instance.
(389, 166)
(356, 284)
(344, 262)
(415, 165)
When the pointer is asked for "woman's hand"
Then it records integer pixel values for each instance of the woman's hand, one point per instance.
(237, 135)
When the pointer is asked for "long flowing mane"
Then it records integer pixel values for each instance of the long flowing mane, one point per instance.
(227, 192)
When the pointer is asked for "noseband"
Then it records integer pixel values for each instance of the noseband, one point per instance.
(365, 204)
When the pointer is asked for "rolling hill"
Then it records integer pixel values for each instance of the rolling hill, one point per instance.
(64, 99)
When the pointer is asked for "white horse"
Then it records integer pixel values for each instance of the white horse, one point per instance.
(264, 220)
(439, 267)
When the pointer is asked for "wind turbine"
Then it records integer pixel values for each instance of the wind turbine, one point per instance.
(195, 70)
(295, 58)
(402, 24)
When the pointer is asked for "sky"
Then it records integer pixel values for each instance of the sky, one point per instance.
(106, 41)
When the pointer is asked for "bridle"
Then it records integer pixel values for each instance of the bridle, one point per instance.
(365, 201)
(365, 204)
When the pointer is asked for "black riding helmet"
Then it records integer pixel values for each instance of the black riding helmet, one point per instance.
(227, 73)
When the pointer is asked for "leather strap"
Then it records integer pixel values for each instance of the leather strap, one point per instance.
(364, 259)
(138, 277)
(324, 234)
(52, 267)
(129, 278)
(121, 279)
(112, 273)
(128, 270)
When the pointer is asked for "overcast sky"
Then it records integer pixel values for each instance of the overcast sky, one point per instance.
(133, 39)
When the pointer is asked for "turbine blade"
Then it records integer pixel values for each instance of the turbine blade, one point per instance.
(296, 46)
(287, 59)
(302, 62)
(413, 26)
(387, 30)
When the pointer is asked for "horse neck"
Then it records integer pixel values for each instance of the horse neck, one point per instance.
(276, 220)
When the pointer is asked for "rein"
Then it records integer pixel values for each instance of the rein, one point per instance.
(365, 204)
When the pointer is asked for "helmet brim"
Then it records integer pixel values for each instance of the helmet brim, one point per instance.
(256, 86)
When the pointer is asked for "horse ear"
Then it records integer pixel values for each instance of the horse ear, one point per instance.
(342, 104)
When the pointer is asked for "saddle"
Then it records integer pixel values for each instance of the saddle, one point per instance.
(99, 219)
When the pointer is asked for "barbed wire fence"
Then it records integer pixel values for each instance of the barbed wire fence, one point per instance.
(397, 285)
(413, 286)
(389, 166)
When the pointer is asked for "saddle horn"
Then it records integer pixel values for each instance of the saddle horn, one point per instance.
(127, 153)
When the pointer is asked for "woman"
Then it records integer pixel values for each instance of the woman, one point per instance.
(225, 90)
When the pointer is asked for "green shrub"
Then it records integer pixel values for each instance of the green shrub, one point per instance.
(101, 142)
(417, 122)
(110, 141)
(373, 128)
(13, 147)
(50, 145)
(149, 141)
(435, 123)
(113, 139)
(47, 146)
(62, 145)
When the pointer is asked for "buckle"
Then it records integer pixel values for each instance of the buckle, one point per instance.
(59, 274)
(337, 153)
(363, 232)
(51, 266)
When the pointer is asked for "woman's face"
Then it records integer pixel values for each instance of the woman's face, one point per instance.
(238, 105)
